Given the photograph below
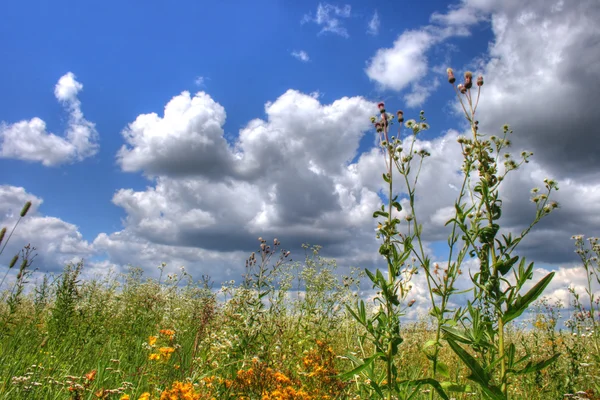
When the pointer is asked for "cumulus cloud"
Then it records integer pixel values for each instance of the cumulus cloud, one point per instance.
(329, 18)
(187, 138)
(301, 55)
(30, 140)
(374, 24)
(57, 242)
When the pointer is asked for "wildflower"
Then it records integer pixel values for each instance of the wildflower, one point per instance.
(451, 77)
(468, 79)
(152, 340)
(373, 120)
(462, 88)
(124, 397)
(91, 375)
(144, 396)
(480, 81)
(166, 351)
(378, 127)
(400, 115)
(410, 303)
(410, 123)
(154, 357)
(424, 126)
(381, 106)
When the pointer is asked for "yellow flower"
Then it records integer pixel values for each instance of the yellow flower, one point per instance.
(124, 397)
(154, 356)
(166, 351)
(144, 396)
(152, 340)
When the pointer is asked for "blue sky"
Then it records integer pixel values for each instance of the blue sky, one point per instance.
(130, 59)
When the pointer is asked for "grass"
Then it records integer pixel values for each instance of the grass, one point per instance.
(119, 337)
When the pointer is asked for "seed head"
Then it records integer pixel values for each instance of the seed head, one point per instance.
(2, 233)
(13, 261)
(25, 209)
(468, 79)
(451, 77)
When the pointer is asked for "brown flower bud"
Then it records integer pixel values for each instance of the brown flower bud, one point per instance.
(462, 88)
(451, 77)
(480, 80)
(468, 79)
(410, 303)
(400, 115)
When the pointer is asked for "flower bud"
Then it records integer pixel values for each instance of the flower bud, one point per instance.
(2, 233)
(400, 115)
(381, 106)
(462, 88)
(480, 80)
(373, 119)
(468, 80)
(451, 77)
(410, 303)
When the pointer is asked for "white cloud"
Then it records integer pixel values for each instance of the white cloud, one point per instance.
(189, 137)
(200, 81)
(374, 23)
(404, 64)
(30, 141)
(57, 242)
(301, 55)
(328, 17)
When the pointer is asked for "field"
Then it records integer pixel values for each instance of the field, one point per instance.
(127, 337)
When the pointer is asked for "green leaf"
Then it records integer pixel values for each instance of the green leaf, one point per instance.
(426, 381)
(478, 374)
(443, 370)
(454, 334)
(503, 266)
(456, 387)
(521, 304)
(530, 367)
(366, 362)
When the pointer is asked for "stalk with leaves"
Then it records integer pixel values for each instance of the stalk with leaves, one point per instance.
(497, 300)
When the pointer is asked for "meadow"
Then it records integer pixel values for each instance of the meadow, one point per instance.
(301, 330)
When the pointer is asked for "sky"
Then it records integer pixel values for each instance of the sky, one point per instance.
(147, 132)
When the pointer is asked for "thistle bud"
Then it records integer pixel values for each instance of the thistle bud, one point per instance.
(378, 127)
(410, 303)
(462, 88)
(480, 80)
(451, 77)
(373, 119)
(381, 105)
(468, 80)
(25, 209)
(400, 115)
